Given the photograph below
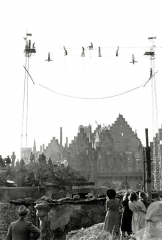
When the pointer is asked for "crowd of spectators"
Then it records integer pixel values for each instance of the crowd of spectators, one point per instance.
(11, 161)
(8, 160)
(133, 221)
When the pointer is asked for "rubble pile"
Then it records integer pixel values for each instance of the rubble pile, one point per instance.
(95, 232)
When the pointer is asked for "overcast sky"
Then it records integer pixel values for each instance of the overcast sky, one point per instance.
(73, 24)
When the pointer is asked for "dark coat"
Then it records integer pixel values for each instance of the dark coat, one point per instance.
(126, 221)
(22, 230)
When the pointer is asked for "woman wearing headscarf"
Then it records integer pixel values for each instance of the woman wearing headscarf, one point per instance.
(139, 212)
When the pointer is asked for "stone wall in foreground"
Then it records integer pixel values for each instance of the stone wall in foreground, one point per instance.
(62, 218)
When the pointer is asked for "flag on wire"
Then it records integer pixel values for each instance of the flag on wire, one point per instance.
(28, 34)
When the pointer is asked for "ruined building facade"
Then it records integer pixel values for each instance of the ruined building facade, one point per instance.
(111, 156)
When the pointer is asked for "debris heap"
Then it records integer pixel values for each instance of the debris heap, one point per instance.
(95, 232)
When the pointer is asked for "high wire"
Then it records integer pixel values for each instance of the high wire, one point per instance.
(97, 98)
(86, 49)
(93, 98)
(90, 48)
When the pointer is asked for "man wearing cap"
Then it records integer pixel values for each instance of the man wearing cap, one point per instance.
(22, 229)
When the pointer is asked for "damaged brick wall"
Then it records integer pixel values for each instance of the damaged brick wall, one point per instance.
(82, 216)
(75, 216)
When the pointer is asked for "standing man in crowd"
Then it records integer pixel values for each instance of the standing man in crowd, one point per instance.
(8, 160)
(22, 229)
(32, 157)
(13, 157)
(1, 161)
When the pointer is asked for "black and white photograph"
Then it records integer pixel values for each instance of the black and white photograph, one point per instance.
(81, 120)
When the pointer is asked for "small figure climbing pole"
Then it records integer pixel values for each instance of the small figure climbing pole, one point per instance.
(150, 73)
